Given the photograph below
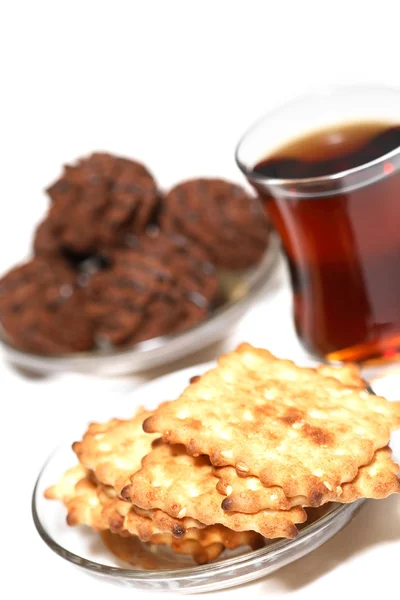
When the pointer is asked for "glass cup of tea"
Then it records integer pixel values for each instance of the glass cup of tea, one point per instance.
(327, 167)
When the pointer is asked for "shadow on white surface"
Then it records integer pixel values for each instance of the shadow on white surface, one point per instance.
(378, 522)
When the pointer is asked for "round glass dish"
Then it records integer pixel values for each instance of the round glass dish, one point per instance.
(241, 290)
(84, 548)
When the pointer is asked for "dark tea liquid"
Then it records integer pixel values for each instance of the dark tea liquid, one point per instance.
(342, 245)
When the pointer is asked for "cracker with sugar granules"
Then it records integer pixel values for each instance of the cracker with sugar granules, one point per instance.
(184, 486)
(77, 490)
(113, 450)
(290, 426)
(348, 374)
(98, 506)
(376, 480)
(247, 494)
(89, 503)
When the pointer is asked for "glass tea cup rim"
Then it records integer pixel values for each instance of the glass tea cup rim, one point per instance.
(322, 92)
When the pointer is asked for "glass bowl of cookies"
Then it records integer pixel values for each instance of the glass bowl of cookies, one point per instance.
(255, 463)
(124, 277)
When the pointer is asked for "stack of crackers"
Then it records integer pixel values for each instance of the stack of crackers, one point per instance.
(236, 459)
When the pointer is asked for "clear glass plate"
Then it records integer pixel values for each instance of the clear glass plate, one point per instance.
(240, 289)
(84, 548)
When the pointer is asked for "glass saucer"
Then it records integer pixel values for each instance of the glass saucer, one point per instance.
(84, 548)
(167, 571)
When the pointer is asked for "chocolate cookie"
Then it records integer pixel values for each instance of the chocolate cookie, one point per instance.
(135, 299)
(189, 263)
(96, 199)
(42, 310)
(47, 246)
(145, 293)
(45, 241)
(221, 217)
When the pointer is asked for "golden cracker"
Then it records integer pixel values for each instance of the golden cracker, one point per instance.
(203, 546)
(292, 427)
(98, 506)
(77, 490)
(113, 450)
(184, 486)
(247, 494)
(89, 503)
(208, 543)
(348, 374)
(376, 480)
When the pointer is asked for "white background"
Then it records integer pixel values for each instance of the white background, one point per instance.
(173, 83)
